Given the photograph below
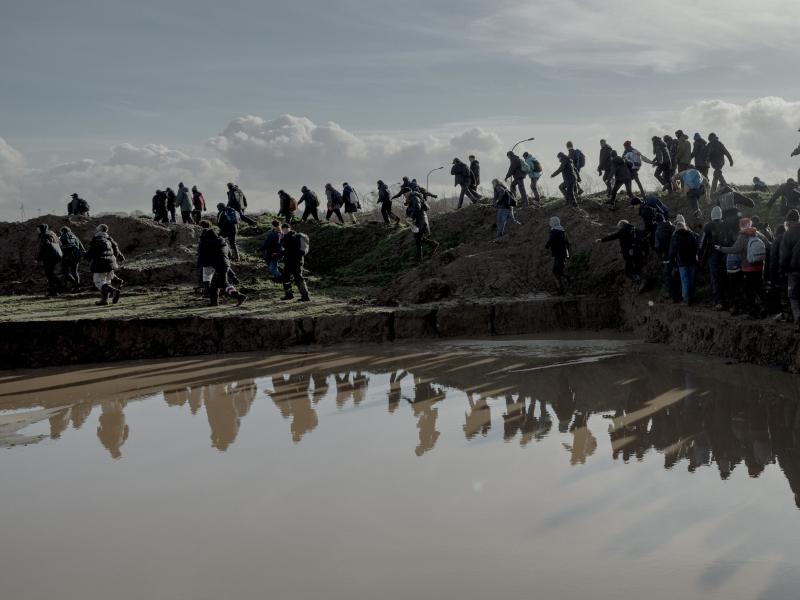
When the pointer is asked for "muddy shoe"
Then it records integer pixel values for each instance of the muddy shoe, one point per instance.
(305, 299)
(240, 299)
(288, 296)
(115, 297)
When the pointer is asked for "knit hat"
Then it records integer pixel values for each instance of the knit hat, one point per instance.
(680, 222)
(555, 223)
(716, 214)
(793, 216)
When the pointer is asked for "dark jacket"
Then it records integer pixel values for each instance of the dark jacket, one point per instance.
(663, 239)
(236, 199)
(292, 254)
(700, 153)
(334, 198)
(271, 246)
(620, 169)
(198, 201)
(661, 155)
(717, 152)
(417, 211)
(350, 200)
(627, 240)
(285, 204)
(160, 202)
(49, 249)
(712, 235)
(463, 176)
(502, 197)
(383, 196)
(789, 243)
(310, 198)
(683, 248)
(604, 163)
(71, 247)
(103, 254)
(475, 168)
(775, 258)
(226, 226)
(789, 194)
(213, 251)
(171, 199)
(573, 156)
(558, 244)
(567, 169)
(515, 168)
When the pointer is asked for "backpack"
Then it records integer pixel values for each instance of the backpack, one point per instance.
(83, 206)
(526, 168)
(756, 250)
(580, 159)
(537, 166)
(512, 201)
(658, 206)
(693, 179)
(69, 245)
(305, 243)
(634, 159)
(231, 215)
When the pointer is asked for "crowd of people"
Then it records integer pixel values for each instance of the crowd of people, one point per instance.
(747, 262)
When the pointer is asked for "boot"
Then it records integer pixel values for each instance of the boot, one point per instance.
(288, 295)
(117, 282)
(214, 295)
(240, 298)
(206, 289)
(304, 297)
(104, 296)
(116, 292)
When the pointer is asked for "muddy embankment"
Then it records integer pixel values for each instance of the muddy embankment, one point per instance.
(30, 344)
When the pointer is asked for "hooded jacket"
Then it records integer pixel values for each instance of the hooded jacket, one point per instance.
(502, 197)
(213, 251)
(627, 239)
(310, 198)
(462, 174)
(567, 169)
(515, 170)
(236, 199)
(475, 168)
(49, 248)
(103, 253)
(683, 248)
(604, 162)
(717, 152)
(198, 201)
(663, 239)
(159, 202)
(557, 241)
(700, 152)
(183, 199)
(417, 211)
(661, 155)
(683, 155)
(620, 169)
(334, 198)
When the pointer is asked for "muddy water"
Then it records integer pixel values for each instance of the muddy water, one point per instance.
(536, 469)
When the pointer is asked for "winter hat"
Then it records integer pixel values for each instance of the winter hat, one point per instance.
(697, 136)
(716, 214)
(745, 223)
(680, 222)
(220, 206)
(793, 216)
(102, 228)
(555, 223)
(626, 143)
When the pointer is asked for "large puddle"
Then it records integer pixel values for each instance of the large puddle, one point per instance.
(528, 469)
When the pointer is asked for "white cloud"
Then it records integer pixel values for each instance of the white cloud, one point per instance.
(676, 35)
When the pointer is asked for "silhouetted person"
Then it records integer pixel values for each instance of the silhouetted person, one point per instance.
(103, 256)
(238, 202)
(311, 202)
(198, 205)
(294, 253)
(50, 255)
(160, 212)
(569, 185)
(385, 202)
(463, 179)
(335, 202)
(717, 153)
(77, 206)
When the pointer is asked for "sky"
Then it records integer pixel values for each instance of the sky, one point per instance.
(113, 99)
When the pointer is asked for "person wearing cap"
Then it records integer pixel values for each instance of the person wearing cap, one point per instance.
(569, 176)
(335, 201)
(683, 150)
(700, 154)
(713, 235)
(516, 173)
(103, 256)
(789, 257)
(311, 202)
(752, 270)
(558, 244)
(717, 153)
(385, 201)
(50, 255)
(633, 158)
(683, 251)
(293, 260)
(77, 207)
(463, 179)
(604, 166)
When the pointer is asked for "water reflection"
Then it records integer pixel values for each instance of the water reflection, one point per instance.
(693, 414)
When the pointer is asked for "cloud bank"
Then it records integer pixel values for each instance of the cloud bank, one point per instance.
(289, 151)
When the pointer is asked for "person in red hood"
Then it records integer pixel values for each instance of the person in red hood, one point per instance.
(751, 248)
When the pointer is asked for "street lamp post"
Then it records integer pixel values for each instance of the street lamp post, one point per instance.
(530, 139)
(428, 176)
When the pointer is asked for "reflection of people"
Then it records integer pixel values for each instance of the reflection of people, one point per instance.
(583, 442)
(360, 384)
(112, 429)
(425, 397)
(320, 386)
(176, 397)
(291, 395)
(80, 412)
(478, 419)
(514, 416)
(225, 407)
(534, 427)
(58, 423)
(395, 389)
(344, 389)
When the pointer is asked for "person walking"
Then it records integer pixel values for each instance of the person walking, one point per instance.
(789, 195)
(184, 203)
(578, 159)
(385, 201)
(160, 214)
(198, 205)
(334, 203)
(633, 158)
(171, 204)
(662, 241)
(630, 249)
(238, 202)
(713, 236)
(516, 173)
(475, 171)
(535, 173)
(311, 202)
(213, 258)
(351, 202)
(72, 251)
(751, 248)
(504, 202)
(789, 257)
(759, 186)
(272, 250)
(286, 207)
(417, 212)
(228, 223)
(77, 206)
(662, 162)
(558, 244)
(683, 251)
(700, 154)
(604, 166)
(50, 255)
(463, 179)
(104, 255)
(621, 175)
(295, 247)
(569, 185)
(693, 182)
(717, 153)
(683, 151)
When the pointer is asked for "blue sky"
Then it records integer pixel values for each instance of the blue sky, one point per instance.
(83, 77)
